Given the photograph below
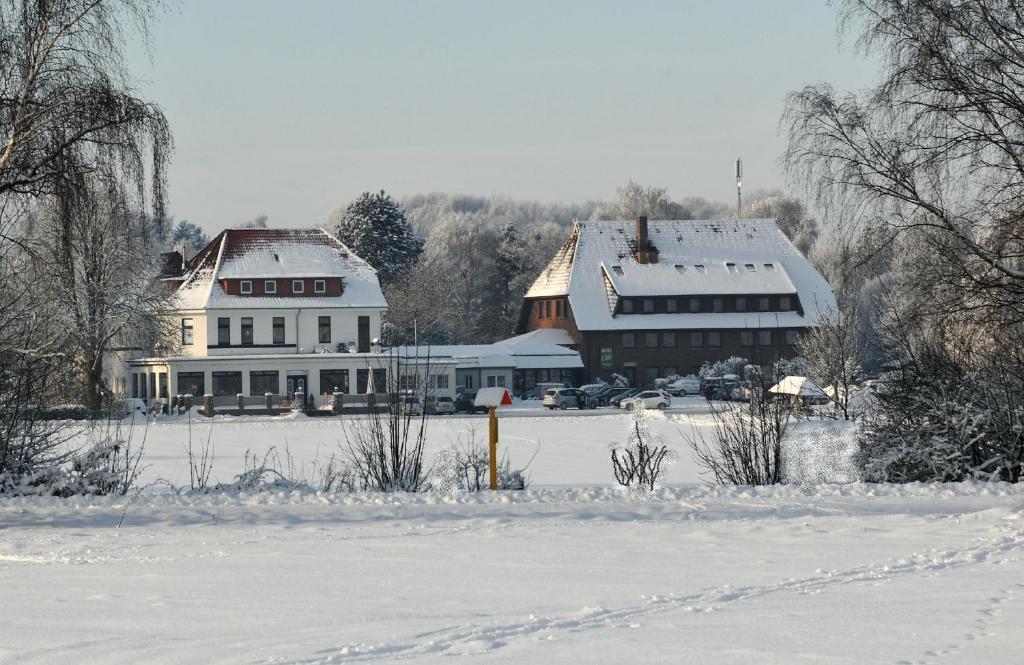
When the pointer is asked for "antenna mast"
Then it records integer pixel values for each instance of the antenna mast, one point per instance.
(739, 187)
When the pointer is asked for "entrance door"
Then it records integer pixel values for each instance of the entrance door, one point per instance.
(296, 384)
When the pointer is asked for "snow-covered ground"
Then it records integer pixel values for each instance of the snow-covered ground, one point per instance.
(568, 572)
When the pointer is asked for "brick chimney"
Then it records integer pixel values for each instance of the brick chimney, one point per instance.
(641, 239)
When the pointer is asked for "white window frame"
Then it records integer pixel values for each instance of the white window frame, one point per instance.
(320, 286)
(270, 286)
(245, 287)
(302, 286)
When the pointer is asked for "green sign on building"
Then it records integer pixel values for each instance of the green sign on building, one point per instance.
(607, 358)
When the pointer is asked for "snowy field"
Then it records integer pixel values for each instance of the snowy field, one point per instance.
(568, 572)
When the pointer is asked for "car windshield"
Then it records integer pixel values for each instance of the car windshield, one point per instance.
(444, 399)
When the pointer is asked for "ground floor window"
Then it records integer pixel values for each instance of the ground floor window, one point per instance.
(630, 374)
(467, 382)
(380, 380)
(264, 381)
(791, 337)
(408, 382)
(650, 374)
(333, 381)
(439, 381)
(764, 337)
(191, 383)
(495, 380)
(163, 385)
(227, 383)
(135, 385)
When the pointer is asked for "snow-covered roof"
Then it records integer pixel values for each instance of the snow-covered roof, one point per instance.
(277, 253)
(522, 352)
(596, 266)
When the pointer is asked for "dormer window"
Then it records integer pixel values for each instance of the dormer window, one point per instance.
(298, 286)
(769, 266)
(617, 270)
(627, 306)
(320, 286)
(700, 268)
(750, 267)
(681, 268)
(270, 286)
(732, 268)
(245, 287)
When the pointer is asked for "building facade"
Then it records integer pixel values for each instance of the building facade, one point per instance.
(648, 300)
(276, 312)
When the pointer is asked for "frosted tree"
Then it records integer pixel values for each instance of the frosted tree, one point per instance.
(641, 464)
(374, 227)
(191, 235)
(791, 215)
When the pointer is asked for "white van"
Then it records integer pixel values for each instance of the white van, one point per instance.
(687, 385)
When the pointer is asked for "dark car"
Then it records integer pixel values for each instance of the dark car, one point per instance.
(632, 392)
(605, 397)
(464, 403)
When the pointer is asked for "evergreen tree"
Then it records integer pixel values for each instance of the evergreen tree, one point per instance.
(191, 235)
(374, 227)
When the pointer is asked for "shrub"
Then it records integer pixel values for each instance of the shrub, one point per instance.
(640, 465)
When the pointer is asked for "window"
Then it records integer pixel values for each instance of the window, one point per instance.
(671, 305)
(319, 286)
(324, 328)
(263, 382)
(719, 305)
(191, 383)
(540, 309)
(627, 306)
(224, 331)
(668, 340)
(270, 286)
(669, 371)
(696, 339)
(784, 304)
(495, 380)
(648, 306)
(764, 337)
(439, 381)
(628, 340)
(247, 330)
(650, 374)
(700, 268)
(681, 268)
(751, 267)
(746, 338)
(741, 304)
(792, 337)
(186, 332)
(764, 304)
(227, 383)
(694, 304)
(617, 270)
(278, 330)
(163, 385)
(333, 381)
(769, 267)
(732, 268)
(467, 381)
(135, 384)
(547, 309)
(245, 286)
(408, 382)
(363, 334)
(651, 340)
(298, 286)
(714, 339)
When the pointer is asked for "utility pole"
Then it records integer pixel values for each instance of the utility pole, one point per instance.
(739, 187)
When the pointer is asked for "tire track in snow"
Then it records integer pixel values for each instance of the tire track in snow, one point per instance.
(468, 639)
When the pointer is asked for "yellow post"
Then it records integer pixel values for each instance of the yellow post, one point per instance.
(492, 412)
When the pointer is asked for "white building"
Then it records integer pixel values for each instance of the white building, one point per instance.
(280, 312)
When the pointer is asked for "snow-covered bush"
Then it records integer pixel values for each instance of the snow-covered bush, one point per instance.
(619, 381)
(731, 365)
(641, 464)
(463, 467)
(745, 447)
(941, 428)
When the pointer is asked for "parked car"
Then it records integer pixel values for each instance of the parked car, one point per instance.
(741, 392)
(651, 399)
(539, 390)
(464, 403)
(617, 400)
(605, 397)
(563, 398)
(441, 405)
(719, 387)
(683, 387)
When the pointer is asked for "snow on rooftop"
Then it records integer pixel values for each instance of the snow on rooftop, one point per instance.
(278, 253)
(695, 257)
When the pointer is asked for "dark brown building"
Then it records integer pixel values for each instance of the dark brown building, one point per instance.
(651, 299)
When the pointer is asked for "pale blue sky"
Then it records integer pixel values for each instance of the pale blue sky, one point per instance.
(292, 108)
